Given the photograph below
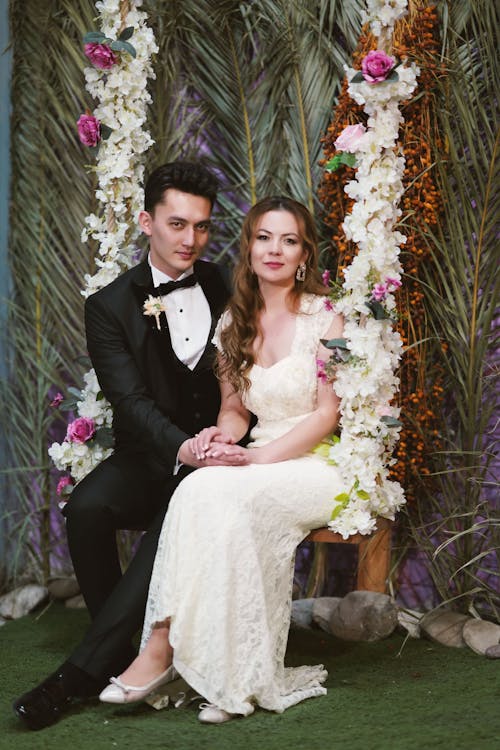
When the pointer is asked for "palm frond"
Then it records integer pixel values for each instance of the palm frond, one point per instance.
(462, 294)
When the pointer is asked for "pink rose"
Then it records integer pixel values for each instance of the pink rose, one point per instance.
(80, 430)
(89, 130)
(376, 66)
(350, 138)
(63, 482)
(58, 399)
(100, 55)
(379, 292)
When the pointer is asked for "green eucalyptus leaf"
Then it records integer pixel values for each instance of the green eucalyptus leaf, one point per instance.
(335, 343)
(69, 404)
(393, 76)
(67, 490)
(100, 396)
(126, 34)
(391, 421)
(94, 37)
(104, 437)
(123, 47)
(377, 309)
(75, 392)
(105, 131)
(358, 78)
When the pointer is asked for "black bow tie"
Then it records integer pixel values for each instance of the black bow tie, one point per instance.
(171, 286)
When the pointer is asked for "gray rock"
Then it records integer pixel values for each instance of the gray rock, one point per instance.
(480, 635)
(445, 627)
(302, 613)
(323, 609)
(63, 588)
(493, 652)
(75, 602)
(22, 600)
(409, 620)
(364, 616)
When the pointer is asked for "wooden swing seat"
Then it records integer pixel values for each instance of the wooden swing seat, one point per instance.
(374, 554)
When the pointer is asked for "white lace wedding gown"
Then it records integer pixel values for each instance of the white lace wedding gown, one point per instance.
(224, 568)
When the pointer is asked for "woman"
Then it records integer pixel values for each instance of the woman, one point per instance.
(220, 595)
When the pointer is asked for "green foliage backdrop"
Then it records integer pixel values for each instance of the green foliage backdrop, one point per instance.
(250, 88)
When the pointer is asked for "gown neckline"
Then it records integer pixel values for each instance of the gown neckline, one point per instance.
(292, 346)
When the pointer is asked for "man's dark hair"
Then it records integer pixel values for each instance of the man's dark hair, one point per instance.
(186, 176)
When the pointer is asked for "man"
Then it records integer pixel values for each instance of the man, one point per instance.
(154, 363)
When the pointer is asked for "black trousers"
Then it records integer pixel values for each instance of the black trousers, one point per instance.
(123, 492)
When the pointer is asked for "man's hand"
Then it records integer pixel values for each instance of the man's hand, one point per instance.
(211, 447)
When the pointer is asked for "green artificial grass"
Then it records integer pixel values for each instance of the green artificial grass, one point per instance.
(388, 695)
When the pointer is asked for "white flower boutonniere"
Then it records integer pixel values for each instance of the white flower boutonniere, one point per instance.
(154, 306)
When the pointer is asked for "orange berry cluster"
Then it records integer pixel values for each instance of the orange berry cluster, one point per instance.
(416, 38)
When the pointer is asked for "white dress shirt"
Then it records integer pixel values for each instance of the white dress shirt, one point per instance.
(188, 317)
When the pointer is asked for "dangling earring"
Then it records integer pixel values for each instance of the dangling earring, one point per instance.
(301, 272)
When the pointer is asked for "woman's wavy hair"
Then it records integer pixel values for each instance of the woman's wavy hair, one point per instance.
(238, 337)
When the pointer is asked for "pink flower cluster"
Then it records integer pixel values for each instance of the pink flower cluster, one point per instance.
(326, 277)
(376, 66)
(57, 400)
(80, 430)
(100, 55)
(381, 290)
(63, 482)
(89, 130)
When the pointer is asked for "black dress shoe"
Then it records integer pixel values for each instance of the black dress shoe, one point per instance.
(45, 704)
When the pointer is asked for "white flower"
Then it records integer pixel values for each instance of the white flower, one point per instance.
(366, 383)
(122, 99)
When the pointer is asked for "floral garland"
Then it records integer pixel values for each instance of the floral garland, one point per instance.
(365, 360)
(121, 56)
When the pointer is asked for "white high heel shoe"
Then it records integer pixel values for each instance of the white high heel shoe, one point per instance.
(212, 714)
(119, 692)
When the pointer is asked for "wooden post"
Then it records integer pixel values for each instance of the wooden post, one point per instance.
(374, 560)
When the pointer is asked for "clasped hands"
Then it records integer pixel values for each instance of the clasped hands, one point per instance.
(213, 447)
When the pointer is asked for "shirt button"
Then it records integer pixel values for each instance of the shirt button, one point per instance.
(187, 338)
(181, 310)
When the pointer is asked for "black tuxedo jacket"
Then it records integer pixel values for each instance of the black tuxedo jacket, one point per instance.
(157, 401)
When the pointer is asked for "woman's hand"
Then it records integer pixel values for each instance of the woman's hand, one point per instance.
(226, 454)
(202, 441)
(235, 455)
